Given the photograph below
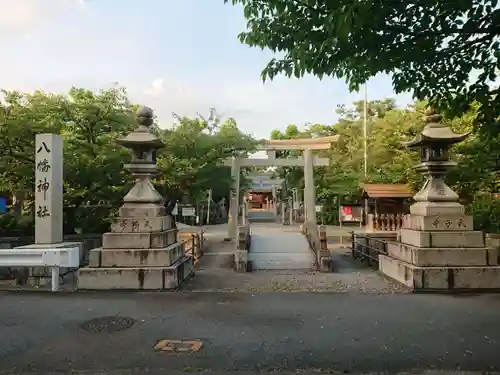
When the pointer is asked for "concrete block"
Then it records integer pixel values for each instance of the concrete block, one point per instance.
(136, 278)
(440, 239)
(425, 256)
(440, 278)
(438, 222)
(141, 225)
(156, 240)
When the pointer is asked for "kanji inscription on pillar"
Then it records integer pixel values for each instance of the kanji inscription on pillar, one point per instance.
(48, 189)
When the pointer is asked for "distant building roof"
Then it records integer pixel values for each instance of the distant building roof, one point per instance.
(387, 190)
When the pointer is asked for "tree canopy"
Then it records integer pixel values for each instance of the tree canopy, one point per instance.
(476, 180)
(89, 122)
(446, 52)
(192, 160)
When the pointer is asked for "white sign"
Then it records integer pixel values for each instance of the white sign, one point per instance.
(188, 211)
(175, 210)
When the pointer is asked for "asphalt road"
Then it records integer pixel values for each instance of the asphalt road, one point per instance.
(41, 333)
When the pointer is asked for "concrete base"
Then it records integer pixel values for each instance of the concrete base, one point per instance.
(136, 278)
(440, 278)
(135, 257)
(422, 256)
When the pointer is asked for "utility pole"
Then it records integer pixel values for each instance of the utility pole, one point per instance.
(365, 134)
(365, 129)
(208, 205)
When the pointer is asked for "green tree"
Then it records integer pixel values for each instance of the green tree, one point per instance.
(446, 52)
(192, 160)
(89, 122)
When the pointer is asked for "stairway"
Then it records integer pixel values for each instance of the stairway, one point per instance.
(261, 217)
(286, 250)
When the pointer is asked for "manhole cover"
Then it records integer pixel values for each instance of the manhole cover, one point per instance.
(179, 346)
(108, 324)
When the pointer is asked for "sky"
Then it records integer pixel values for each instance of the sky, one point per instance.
(179, 56)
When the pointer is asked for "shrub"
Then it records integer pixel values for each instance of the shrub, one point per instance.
(486, 212)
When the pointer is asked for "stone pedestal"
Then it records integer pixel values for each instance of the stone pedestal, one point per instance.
(441, 252)
(438, 248)
(142, 251)
(139, 253)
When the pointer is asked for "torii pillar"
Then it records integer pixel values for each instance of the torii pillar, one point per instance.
(309, 188)
(234, 202)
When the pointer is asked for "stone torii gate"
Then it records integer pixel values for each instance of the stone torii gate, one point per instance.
(308, 161)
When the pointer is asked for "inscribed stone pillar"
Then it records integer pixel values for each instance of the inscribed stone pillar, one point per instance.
(234, 201)
(48, 189)
(309, 191)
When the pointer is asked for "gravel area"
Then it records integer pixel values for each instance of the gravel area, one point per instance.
(366, 281)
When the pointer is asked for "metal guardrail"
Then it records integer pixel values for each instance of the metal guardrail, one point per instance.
(55, 258)
(365, 253)
(189, 248)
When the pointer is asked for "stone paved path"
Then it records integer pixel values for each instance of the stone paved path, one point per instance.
(279, 247)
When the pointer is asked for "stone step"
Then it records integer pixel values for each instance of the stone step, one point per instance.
(281, 261)
(289, 251)
(426, 256)
(440, 278)
(136, 278)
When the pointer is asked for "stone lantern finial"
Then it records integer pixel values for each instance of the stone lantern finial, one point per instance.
(434, 142)
(145, 116)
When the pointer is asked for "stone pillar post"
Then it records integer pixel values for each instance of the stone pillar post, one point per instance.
(234, 203)
(309, 191)
(48, 189)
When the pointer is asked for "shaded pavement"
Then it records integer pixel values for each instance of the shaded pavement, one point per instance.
(42, 333)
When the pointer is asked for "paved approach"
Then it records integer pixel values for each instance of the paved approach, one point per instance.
(275, 246)
(41, 333)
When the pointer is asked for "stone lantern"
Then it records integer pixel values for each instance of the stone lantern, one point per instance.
(434, 142)
(438, 248)
(143, 145)
(142, 251)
